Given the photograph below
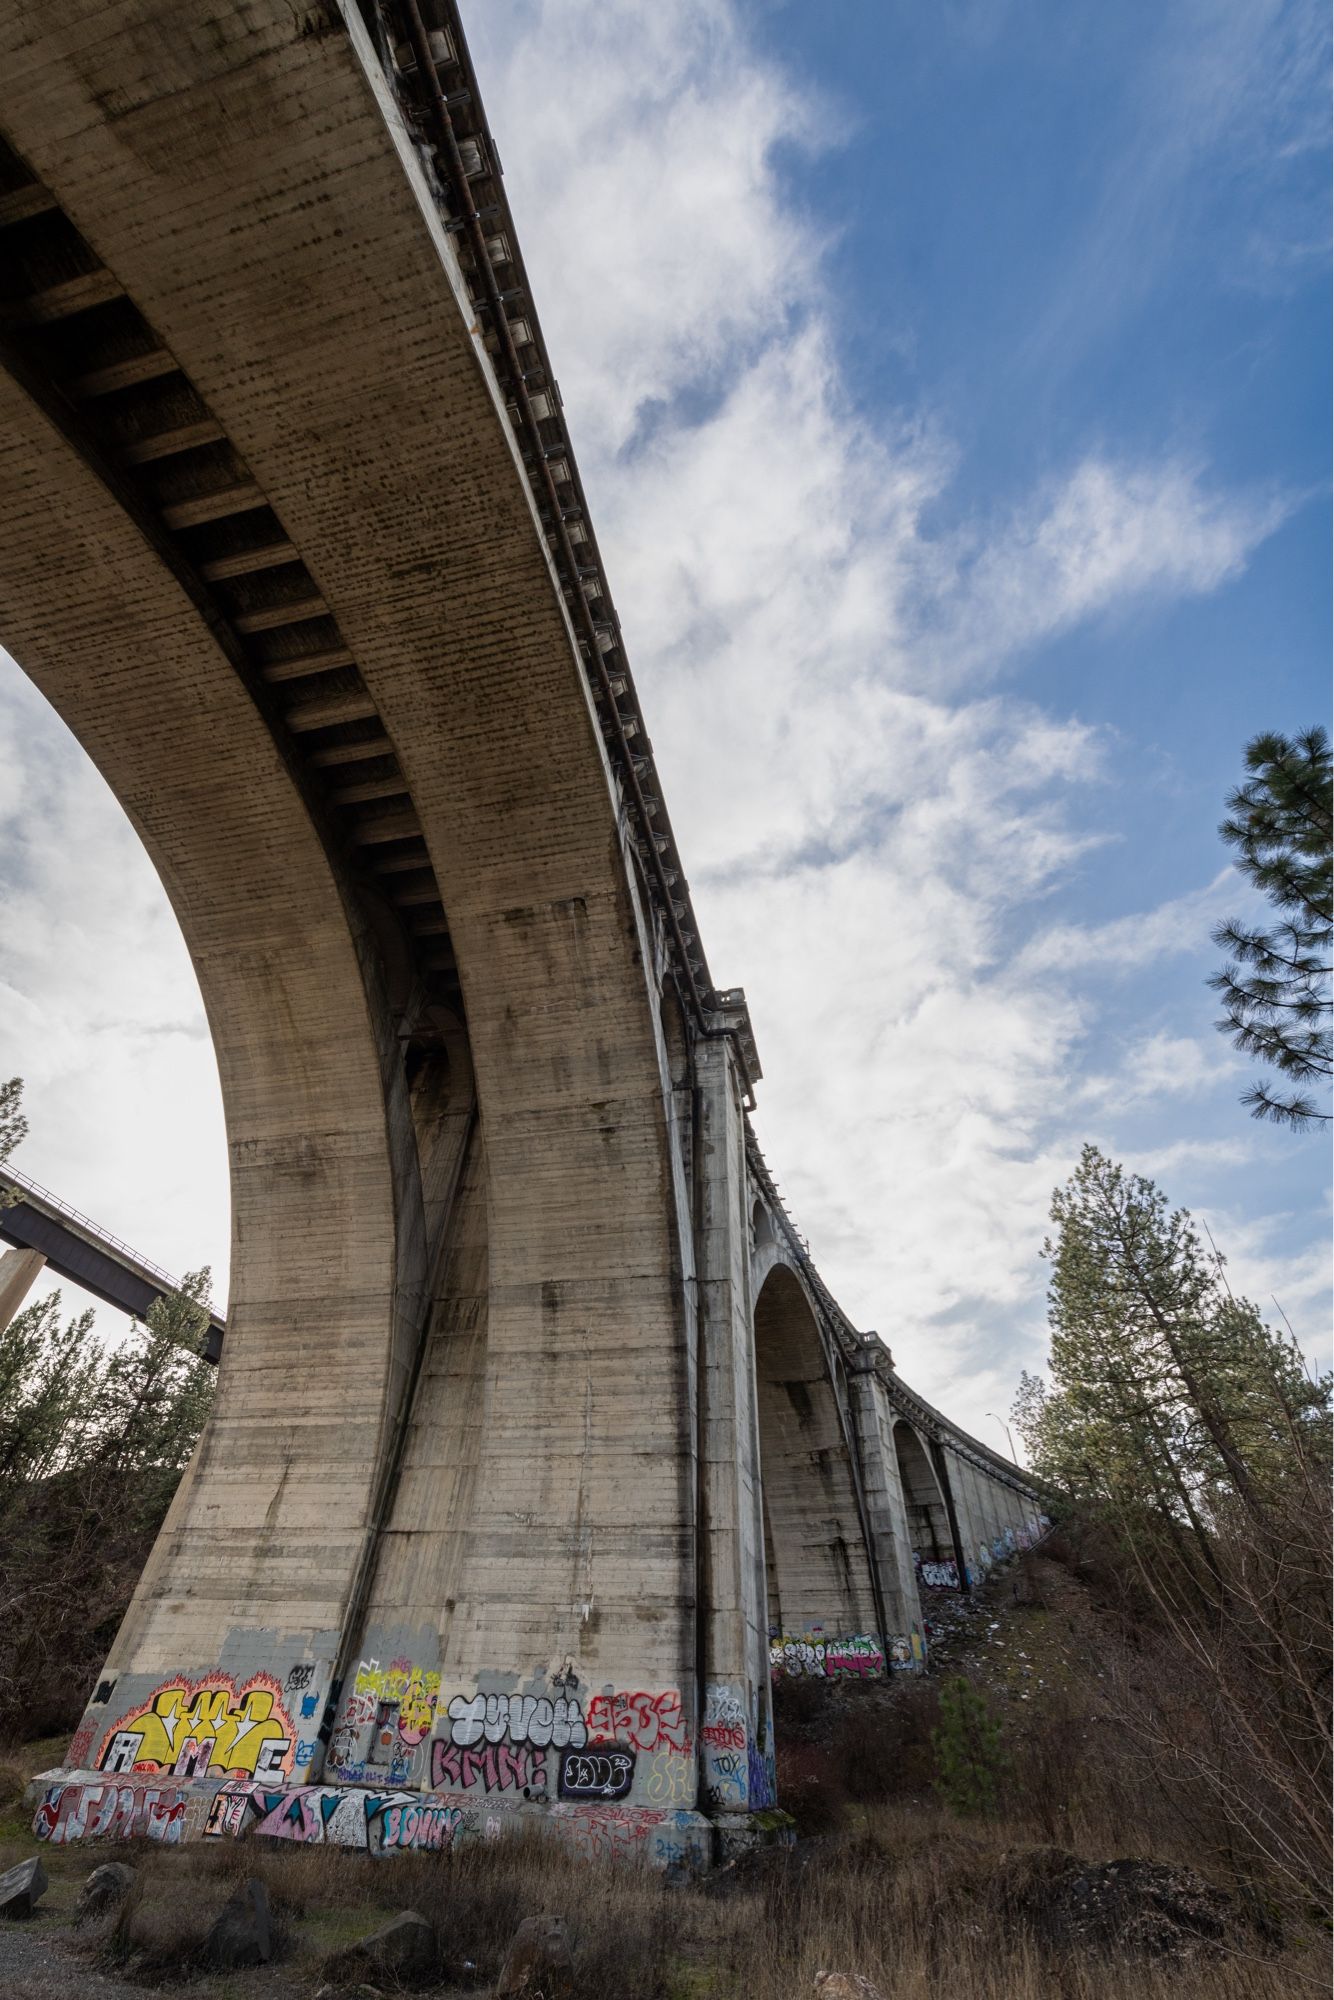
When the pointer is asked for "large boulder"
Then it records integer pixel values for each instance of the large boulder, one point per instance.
(404, 1946)
(241, 1934)
(401, 1952)
(538, 1965)
(104, 1889)
(21, 1888)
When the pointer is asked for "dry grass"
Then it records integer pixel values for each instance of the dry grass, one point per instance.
(928, 1908)
(885, 1881)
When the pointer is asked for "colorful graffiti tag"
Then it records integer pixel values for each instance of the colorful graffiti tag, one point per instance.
(118, 1812)
(385, 1721)
(211, 1726)
(380, 1822)
(860, 1656)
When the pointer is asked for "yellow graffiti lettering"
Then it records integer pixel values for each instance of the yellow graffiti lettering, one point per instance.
(200, 1728)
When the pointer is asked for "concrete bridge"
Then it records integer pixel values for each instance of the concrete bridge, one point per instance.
(45, 1234)
(536, 1433)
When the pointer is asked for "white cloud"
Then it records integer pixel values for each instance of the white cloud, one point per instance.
(1105, 536)
(1162, 1065)
(99, 1008)
(1129, 943)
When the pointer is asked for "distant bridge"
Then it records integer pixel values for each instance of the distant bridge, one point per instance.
(46, 1232)
(538, 1441)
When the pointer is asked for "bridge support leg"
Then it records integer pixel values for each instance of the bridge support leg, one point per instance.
(19, 1272)
(735, 1721)
(873, 1419)
(940, 1460)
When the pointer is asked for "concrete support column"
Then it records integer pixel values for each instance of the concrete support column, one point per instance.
(981, 1531)
(940, 1460)
(873, 1417)
(19, 1272)
(735, 1720)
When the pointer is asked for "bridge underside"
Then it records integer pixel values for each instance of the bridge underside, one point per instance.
(479, 1513)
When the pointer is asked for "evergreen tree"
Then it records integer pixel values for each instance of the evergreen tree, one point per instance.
(1168, 1394)
(13, 1125)
(1276, 987)
(50, 1391)
(970, 1762)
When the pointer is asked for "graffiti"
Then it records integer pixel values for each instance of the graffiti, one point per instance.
(727, 1777)
(724, 1725)
(759, 1780)
(303, 1815)
(669, 1779)
(197, 1728)
(858, 1657)
(385, 1723)
(649, 1721)
(492, 1767)
(123, 1812)
(105, 1690)
(900, 1652)
(421, 1826)
(311, 1815)
(939, 1575)
(595, 1774)
(301, 1676)
(723, 1703)
(229, 1809)
(524, 1718)
(796, 1657)
(723, 1736)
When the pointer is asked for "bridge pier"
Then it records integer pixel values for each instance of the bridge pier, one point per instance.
(874, 1418)
(19, 1272)
(736, 1762)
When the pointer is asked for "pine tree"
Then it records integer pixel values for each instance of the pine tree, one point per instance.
(970, 1762)
(1276, 988)
(13, 1125)
(1168, 1393)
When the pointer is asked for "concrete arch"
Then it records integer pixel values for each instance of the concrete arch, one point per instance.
(344, 319)
(816, 1560)
(924, 1498)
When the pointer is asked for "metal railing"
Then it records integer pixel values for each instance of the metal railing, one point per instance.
(25, 1185)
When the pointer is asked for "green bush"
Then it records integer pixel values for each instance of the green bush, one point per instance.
(970, 1761)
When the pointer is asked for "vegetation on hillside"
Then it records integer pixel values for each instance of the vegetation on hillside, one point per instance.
(93, 1441)
(1194, 1448)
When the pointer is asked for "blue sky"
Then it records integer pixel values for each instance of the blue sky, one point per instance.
(951, 387)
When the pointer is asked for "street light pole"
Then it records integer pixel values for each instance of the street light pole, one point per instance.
(1006, 1428)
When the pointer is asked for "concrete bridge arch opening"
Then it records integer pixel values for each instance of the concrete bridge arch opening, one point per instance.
(817, 1571)
(930, 1531)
